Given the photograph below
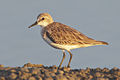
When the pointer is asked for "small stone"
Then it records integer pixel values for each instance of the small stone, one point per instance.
(33, 65)
(105, 70)
(12, 76)
(97, 74)
(87, 70)
(52, 74)
(60, 72)
(42, 75)
(65, 74)
(118, 78)
(7, 68)
(47, 74)
(115, 68)
(32, 78)
(1, 65)
(2, 78)
(90, 77)
(13, 70)
(19, 73)
(28, 65)
(39, 78)
(54, 67)
(59, 77)
(98, 69)
(54, 70)
(102, 79)
(82, 71)
(35, 71)
(117, 73)
(25, 75)
(37, 65)
(78, 78)
(24, 70)
(70, 78)
(73, 75)
(66, 69)
(48, 78)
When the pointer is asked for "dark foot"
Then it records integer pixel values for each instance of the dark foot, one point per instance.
(59, 67)
(68, 66)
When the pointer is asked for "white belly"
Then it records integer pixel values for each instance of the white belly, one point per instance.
(66, 47)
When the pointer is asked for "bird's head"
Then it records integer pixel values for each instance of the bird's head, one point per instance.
(43, 20)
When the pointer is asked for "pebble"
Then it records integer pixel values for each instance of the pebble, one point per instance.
(1, 65)
(12, 76)
(66, 69)
(39, 72)
(97, 74)
(2, 78)
(35, 71)
(39, 78)
(48, 78)
(32, 65)
(32, 78)
(54, 70)
(52, 74)
(102, 79)
(13, 70)
(60, 72)
(25, 70)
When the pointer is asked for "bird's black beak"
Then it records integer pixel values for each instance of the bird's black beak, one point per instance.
(34, 24)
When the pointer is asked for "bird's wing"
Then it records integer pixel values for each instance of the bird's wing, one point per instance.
(63, 34)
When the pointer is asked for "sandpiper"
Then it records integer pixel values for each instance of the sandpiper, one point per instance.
(63, 37)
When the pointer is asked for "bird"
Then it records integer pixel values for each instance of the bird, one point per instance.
(63, 37)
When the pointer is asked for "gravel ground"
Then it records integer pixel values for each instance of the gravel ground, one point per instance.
(39, 72)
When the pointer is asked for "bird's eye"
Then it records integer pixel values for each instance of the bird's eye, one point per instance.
(43, 18)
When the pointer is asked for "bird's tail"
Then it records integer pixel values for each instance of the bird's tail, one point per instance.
(100, 43)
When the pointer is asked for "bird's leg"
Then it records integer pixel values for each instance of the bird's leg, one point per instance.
(69, 59)
(62, 58)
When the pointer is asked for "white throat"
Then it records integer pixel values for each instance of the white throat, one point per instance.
(43, 24)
